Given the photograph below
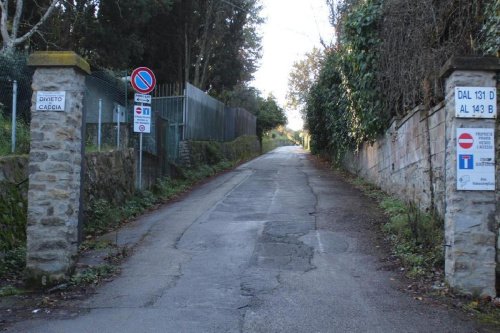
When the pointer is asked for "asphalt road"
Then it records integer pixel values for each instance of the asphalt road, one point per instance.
(277, 245)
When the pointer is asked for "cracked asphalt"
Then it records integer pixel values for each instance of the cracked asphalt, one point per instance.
(276, 245)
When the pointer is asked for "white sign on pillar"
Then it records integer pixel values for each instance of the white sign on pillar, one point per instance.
(475, 102)
(476, 159)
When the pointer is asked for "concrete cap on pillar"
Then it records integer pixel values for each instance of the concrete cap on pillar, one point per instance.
(58, 59)
(488, 63)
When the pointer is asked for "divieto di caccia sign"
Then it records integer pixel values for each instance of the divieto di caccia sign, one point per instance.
(50, 100)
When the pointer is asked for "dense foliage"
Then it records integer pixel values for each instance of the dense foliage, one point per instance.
(13, 67)
(211, 43)
(386, 62)
(267, 110)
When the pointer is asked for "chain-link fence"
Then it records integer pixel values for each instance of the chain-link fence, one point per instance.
(107, 114)
(15, 103)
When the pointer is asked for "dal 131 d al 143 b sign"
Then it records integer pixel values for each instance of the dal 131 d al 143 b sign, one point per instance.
(475, 159)
(475, 102)
(50, 100)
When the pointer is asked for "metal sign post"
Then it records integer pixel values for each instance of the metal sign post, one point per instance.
(143, 81)
(14, 115)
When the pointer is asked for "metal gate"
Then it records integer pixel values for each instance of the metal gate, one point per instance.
(170, 109)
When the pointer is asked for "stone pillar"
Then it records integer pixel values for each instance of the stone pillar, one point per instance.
(55, 165)
(470, 228)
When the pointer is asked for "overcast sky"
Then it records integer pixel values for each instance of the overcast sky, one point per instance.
(293, 27)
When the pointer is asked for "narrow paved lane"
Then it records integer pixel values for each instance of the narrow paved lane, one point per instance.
(276, 245)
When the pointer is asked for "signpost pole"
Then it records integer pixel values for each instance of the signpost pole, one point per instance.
(143, 81)
(14, 115)
(118, 128)
(99, 124)
(140, 161)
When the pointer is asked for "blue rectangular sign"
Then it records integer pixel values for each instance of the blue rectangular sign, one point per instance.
(466, 162)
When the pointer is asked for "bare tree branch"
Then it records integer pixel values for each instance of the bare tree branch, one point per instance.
(44, 18)
(10, 40)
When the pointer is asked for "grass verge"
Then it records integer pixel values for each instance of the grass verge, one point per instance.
(417, 240)
(103, 217)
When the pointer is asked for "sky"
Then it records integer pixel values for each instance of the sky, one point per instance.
(292, 28)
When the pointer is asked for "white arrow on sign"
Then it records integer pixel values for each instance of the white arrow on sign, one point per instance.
(140, 98)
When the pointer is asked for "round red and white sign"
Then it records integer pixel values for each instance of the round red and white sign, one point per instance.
(143, 80)
(138, 110)
(465, 141)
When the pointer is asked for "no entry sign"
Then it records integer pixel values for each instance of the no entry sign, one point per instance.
(475, 159)
(143, 80)
(465, 140)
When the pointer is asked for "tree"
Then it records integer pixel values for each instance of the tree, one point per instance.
(10, 27)
(303, 75)
(269, 116)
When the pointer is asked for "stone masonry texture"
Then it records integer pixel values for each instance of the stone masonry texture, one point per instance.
(416, 161)
(55, 177)
(470, 226)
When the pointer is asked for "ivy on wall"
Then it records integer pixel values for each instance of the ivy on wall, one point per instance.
(386, 62)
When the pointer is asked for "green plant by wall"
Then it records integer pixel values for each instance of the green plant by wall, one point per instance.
(12, 262)
(13, 212)
(343, 108)
(22, 136)
(490, 35)
(417, 238)
(102, 216)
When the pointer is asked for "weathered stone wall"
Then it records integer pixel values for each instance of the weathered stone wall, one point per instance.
(54, 210)
(470, 229)
(408, 160)
(13, 169)
(197, 153)
(416, 160)
(109, 176)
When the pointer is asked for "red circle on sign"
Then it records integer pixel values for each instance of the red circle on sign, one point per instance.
(143, 80)
(465, 141)
(138, 110)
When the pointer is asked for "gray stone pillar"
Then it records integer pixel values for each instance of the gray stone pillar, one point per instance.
(470, 228)
(55, 165)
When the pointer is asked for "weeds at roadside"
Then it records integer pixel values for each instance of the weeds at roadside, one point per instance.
(417, 238)
(102, 216)
(93, 275)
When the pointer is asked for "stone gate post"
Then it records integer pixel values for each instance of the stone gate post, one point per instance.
(55, 165)
(470, 228)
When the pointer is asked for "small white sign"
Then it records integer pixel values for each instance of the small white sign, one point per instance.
(50, 100)
(475, 102)
(140, 98)
(476, 159)
(142, 119)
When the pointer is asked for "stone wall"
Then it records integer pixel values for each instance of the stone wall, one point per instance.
(196, 153)
(416, 160)
(408, 160)
(14, 169)
(110, 176)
